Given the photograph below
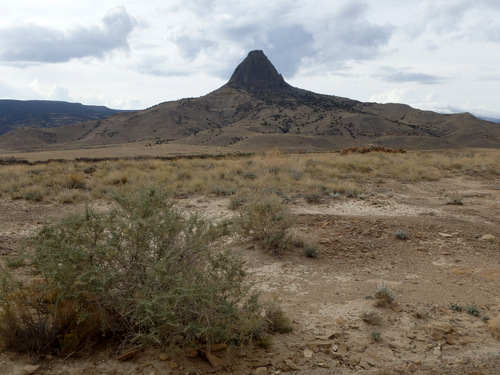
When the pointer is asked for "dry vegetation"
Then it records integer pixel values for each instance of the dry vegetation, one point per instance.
(79, 300)
(308, 175)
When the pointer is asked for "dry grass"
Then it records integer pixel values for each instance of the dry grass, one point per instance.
(323, 174)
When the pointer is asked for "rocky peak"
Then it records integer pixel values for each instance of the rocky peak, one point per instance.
(257, 73)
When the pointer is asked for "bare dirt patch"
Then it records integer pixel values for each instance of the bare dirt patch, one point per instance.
(450, 260)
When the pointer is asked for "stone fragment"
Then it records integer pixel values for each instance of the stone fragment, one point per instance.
(218, 347)
(352, 360)
(372, 359)
(214, 360)
(319, 344)
(308, 353)
(173, 365)
(494, 326)
(163, 357)
(451, 340)
(342, 350)
(488, 237)
(290, 366)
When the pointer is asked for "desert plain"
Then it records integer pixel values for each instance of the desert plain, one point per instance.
(424, 225)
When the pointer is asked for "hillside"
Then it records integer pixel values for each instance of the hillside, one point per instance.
(256, 109)
(15, 114)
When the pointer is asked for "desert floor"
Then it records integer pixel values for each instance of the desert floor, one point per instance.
(451, 257)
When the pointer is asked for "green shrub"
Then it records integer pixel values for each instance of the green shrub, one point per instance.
(401, 234)
(311, 250)
(473, 309)
(376, 336)
(143, 273)
(265, 219)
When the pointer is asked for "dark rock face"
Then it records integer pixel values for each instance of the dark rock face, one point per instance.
(256, 73)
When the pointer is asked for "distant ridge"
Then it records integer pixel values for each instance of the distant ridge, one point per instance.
(15, 114)
(257, 110)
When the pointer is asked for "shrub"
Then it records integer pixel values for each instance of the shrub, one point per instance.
(473, 309)
(384, 295)
(312, 198)
(456, 200)
(311, 250)
(143, 273)
(376, 336)
(265, 219)
(371, 317)
(401, 234)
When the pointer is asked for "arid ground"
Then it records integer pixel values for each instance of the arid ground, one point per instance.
(434, 243)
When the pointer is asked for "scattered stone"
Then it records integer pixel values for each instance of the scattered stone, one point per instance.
(488, 237)
(319, 344)
(260, 371)
(341, 321)
(173, 365)
(217, 347)
(372, 359)
(437, 328)
(289, 366)
(214, 360)
(308, 353)
(353, 360)
(396, 308)
(342, 350)
(494, 326)
(445, 235)
(163, 357)
(452, 340)
(30, 369)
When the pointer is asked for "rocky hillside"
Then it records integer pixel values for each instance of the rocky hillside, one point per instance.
(15, 114)
(256, 109)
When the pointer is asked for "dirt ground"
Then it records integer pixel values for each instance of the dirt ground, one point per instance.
(450, 258)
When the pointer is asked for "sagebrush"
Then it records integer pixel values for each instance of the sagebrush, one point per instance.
(141, 274)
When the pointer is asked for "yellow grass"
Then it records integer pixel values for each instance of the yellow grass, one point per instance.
(289, 174)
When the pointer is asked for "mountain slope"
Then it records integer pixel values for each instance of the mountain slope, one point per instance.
(256, 109)
(15, 114)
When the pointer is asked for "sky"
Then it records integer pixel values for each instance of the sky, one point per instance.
(439, 55)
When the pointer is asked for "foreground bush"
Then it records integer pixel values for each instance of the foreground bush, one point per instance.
(143, 274)
(265, 219)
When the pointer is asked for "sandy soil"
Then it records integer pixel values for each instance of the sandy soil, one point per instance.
(451, 256)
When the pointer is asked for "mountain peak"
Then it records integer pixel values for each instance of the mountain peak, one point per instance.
(257, 73)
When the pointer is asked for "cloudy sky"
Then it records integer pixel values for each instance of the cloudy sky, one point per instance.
(442, 55)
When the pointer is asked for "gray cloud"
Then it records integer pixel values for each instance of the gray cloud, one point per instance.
(288, 33)
(33, 43)
(390, 74)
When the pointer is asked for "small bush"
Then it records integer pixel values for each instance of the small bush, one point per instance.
(376, 336)
(401, 234)
(143, 273)
(473, 309)
(456, 200)
(265, 219)
(371, 317)
(456, 307)
(312, 198)
(311, 250)
(384, 295)
(76, 181)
